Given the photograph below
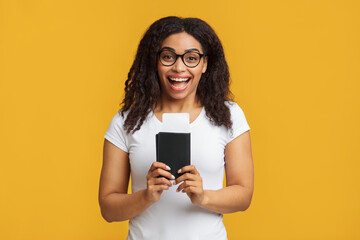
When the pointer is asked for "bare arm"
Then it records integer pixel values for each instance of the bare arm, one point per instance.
(115, 203)
(237, 194)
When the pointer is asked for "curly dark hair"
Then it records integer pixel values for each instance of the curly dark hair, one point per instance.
(142, 87)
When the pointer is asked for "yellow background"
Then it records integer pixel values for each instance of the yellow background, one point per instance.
(295, 69)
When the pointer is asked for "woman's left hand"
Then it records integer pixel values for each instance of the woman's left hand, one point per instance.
(191, 184)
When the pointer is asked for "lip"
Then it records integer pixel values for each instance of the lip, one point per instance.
(179, 77)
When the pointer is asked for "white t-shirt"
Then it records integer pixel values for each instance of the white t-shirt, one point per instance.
(174, 216)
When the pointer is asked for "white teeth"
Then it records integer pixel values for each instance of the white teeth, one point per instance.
(179, 79)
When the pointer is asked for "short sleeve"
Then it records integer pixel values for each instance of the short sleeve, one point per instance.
(116, 134)
(239, 123)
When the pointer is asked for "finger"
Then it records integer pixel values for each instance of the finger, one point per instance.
(156, 165)
(187, 176)
(161, 172)
(187, 184)
(157, 188)
(191, 189)
(189, 168)
(159, 181)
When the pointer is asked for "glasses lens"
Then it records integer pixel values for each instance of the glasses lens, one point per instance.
(167, 58)
(191, 59)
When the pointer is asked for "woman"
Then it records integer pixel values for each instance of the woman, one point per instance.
(179, 67)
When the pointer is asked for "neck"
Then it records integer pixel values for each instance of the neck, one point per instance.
(178, 106)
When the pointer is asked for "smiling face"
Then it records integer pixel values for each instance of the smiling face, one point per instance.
(179, 82)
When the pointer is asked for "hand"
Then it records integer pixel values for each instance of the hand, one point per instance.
(156, 184)
(192, 184)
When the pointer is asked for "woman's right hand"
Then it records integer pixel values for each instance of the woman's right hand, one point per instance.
(157, 182)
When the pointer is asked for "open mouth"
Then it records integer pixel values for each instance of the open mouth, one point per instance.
(178, 84)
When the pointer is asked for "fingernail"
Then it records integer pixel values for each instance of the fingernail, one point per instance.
(179, 171)
(168, 168)
(172, 177)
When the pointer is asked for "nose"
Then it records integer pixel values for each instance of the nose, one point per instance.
(179, 66)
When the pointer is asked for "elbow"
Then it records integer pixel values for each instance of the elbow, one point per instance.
(246, 201)
(110, 212)
(244, 207)
(246, 204)
(109, 215)
(107, 218)
(105, 215)
(103, 211)
(106, 211)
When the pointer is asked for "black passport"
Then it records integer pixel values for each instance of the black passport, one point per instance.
(173, 149)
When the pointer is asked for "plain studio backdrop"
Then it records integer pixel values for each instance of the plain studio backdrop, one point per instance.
(295, 71)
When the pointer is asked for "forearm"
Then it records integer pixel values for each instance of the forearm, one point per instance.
(123, 206)
(227, 200)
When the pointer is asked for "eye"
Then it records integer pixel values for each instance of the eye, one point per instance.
(167, 56)
(191, 57)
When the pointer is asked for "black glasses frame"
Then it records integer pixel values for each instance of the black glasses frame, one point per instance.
(182, 58)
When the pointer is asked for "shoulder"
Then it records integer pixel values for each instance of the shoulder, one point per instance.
(238, 119)
(117, 123)
(235, 111)
(115, 132)
(120, 117)
(234, 108)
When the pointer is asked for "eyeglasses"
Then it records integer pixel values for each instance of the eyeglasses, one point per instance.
(190, 59)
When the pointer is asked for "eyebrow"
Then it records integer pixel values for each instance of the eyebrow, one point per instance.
(186, 50)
